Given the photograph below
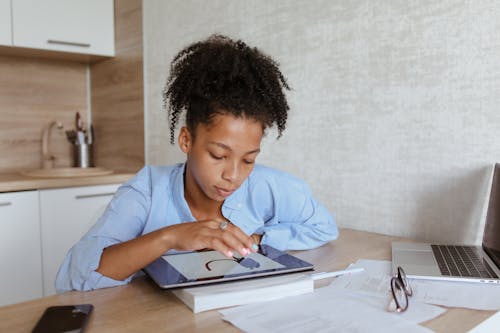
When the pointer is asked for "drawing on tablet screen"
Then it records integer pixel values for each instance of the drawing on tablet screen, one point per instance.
(245, 262)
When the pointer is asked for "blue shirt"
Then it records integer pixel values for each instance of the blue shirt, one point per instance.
(269, 202)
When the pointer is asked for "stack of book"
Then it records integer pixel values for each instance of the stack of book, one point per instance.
(222, 295)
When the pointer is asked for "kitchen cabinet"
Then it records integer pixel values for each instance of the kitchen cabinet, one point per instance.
(20, 247)
(5, 23)
(76, 26)
(66, 215)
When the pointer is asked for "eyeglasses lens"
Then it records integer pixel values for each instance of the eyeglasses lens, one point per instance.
(399, 294)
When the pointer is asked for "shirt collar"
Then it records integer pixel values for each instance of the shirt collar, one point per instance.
(178, 193)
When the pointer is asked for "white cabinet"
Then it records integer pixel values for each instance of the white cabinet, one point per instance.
(20, 256)
(66, 215)
(5, 23)
(78, 26)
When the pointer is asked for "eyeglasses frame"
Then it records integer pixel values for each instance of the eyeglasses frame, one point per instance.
(400, 281)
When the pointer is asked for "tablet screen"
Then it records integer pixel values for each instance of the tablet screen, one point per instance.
(194, 268)
(201, 265)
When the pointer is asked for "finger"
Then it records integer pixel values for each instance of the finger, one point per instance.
(220, 246)
(233, 236)
(246, 240)
(232, 241)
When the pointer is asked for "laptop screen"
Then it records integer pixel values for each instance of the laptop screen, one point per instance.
(491, 237)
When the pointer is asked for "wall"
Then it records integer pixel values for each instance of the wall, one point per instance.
(117, 95)
(394, 109)
(34, 92)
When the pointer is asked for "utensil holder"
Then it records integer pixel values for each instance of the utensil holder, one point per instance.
(83, 156)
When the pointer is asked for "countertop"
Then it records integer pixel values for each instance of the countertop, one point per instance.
(12, 181)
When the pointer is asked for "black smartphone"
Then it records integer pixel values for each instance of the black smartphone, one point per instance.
(64, 318)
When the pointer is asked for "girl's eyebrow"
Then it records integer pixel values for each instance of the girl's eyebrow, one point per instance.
(226, 147)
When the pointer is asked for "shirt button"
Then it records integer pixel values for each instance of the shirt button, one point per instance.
(239, 205)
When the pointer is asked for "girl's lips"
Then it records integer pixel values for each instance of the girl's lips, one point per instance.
(223, 192)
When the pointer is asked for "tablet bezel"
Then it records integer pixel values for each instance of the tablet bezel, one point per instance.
(167, 277)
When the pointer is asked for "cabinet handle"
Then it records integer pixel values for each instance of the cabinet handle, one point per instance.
(62, 42)
(8, 203)
(86, 196)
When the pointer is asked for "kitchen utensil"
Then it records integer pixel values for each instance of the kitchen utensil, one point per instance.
(71, 135)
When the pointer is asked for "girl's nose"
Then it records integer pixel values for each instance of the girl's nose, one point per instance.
(230, 172)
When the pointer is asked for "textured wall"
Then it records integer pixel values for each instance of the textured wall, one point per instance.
(394, 110)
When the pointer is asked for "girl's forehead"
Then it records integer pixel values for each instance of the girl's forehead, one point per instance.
(232, 129)
(230, 122)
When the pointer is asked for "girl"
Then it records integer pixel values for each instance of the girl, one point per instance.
(219, 198)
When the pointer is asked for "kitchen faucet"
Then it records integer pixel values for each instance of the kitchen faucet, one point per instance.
(47, 158)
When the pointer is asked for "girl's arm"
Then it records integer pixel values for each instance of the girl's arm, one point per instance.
(114, 248)
(297, 220)
(122, 260)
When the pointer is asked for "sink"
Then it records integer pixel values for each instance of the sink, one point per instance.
(66, 172)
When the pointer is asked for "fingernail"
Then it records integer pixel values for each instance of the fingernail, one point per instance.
(245, 251)
(229, 253)
(255, 247)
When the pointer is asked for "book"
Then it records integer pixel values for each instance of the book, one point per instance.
(227, 294)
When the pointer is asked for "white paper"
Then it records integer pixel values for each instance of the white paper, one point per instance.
(480, 296)
(325, 310)
(373, 286)
(353, 303)
(375, 281)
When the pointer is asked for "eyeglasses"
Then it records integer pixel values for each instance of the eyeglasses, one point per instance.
(401, 289)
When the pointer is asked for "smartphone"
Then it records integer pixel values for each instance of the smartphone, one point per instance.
(64, 318)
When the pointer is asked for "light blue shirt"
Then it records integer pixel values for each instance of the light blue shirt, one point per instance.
(269, 202)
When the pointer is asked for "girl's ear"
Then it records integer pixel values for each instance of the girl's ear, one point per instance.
(185, 140)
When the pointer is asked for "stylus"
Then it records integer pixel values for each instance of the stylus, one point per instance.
(324, 275)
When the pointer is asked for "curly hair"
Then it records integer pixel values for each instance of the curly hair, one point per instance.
(223, 76)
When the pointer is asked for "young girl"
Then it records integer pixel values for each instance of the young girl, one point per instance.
(218, 199)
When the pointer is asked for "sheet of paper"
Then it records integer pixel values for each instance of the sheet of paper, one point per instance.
(375, 281)
(480, 296)
(325, 310)
(373, 286)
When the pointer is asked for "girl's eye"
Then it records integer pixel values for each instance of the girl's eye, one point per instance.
(248, 162)
(216, 157)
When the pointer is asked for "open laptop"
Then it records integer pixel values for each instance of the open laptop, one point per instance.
(457, 262)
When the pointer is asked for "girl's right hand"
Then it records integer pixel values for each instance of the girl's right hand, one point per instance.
(207, 234)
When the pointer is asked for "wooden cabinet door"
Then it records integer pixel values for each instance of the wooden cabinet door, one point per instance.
(5, 23)
(78, 26)
(20, 249)
(66, 215)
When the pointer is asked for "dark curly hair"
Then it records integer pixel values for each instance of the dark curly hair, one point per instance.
(220, 75)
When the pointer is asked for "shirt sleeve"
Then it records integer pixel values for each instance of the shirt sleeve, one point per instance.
(123, 220)
(300, 222)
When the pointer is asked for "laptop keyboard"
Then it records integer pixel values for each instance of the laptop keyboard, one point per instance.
(461, 261)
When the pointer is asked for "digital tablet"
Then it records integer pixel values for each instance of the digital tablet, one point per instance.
(199, 268)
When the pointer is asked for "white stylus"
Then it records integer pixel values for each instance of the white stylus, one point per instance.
(324, 275)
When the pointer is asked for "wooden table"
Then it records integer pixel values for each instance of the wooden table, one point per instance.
(142, 307)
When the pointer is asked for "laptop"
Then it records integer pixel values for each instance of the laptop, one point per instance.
(457, 262)
(185, 269)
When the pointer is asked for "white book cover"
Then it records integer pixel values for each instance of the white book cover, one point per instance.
(244, 292)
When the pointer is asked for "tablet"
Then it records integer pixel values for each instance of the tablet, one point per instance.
(199, 268)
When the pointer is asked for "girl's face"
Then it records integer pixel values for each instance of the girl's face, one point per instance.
(220, 155)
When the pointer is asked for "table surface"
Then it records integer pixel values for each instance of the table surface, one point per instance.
(142, 307)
